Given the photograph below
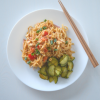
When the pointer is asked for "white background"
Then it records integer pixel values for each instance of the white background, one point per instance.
(87, 87)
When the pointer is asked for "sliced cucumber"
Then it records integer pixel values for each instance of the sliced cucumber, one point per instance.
(55, 79)
(71, 59)
(63, 75)
(49, 63)
(58, 70)
(70, 66)
(53, 70)
(69, 73)
(64, 60)
(62, 57)
(64, 72)
(50, 70)
(63, 65)
(43, 76)
(64, 69)
(50, 79)
(53, 61)
(43, 70)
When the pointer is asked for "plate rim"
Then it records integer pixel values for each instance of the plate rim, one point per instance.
(8, 46)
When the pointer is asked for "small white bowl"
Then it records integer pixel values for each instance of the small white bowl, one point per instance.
(22, 70)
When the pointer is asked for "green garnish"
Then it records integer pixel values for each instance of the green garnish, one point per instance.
(37, 39)
(51, 42)
(37, 51)
(32, 54)
(40, 29)
(49, 48)
(37, 31)
(44, 27)
(45, 20)
(55, 40)
(25, 58)
(37, 44)
(29, 62)
(55, 49)
(47, 61)
(66, 42)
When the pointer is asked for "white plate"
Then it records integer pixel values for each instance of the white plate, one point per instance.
(29, 76)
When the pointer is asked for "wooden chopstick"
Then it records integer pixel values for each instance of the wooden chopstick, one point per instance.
(73, 26)
(80, 37)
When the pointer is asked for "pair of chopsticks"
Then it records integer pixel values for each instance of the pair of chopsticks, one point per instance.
(80, 37)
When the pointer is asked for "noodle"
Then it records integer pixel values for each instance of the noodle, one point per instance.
(33, 38)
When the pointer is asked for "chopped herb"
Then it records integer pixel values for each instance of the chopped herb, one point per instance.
(55, 49)
(37, 31)
(44, 27)
(29, 62)
(51, 42)
(55, 40)
(48, 48)
(37, 44)
(25, 58)
(37, 51)
(37, 39)
(66, 42)
(45, 20)
(40, 29)
(47, 61)
(32, 54)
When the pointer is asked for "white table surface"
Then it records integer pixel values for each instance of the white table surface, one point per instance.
(87, 87)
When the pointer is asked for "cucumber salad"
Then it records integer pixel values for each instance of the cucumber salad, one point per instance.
(55, 68)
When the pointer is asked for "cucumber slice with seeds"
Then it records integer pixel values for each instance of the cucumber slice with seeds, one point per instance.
(63, 65)
(50, 70)
(53, 61)
(69, 73)
(58, 70)
(64, 69)
(64, 60)
(70, 66)
(43, 70)
(63, 75)
(50, 79)
(64, 72)
(43, 76)
(55, 79)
